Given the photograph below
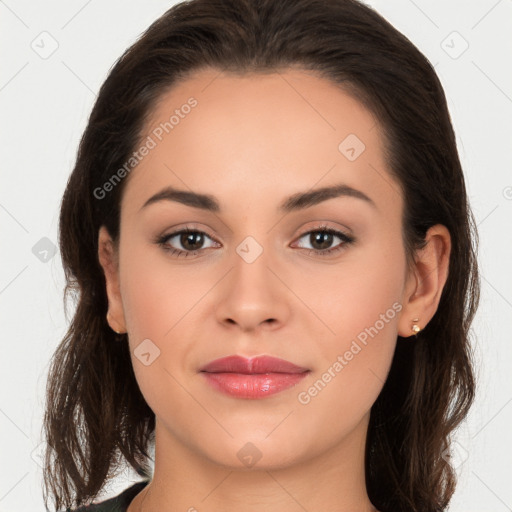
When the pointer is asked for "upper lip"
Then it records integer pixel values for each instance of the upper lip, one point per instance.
(254, 365)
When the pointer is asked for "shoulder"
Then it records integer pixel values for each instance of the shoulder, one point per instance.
(118, 503)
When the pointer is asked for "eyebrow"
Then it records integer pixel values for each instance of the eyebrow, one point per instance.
(298, 201)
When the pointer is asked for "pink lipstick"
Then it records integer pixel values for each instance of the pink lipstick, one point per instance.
(253, 378)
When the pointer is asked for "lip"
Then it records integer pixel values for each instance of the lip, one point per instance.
(260, 364)
(253, 378)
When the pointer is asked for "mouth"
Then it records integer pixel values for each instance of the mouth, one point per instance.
(253, 378)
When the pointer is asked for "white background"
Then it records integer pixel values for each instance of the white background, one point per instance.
(44, 108)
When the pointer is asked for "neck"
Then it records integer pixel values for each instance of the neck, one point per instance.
(187, 481)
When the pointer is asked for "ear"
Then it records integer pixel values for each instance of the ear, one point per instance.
(426, 281)
(108, 257)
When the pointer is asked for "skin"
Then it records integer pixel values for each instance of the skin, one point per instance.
(252, 141)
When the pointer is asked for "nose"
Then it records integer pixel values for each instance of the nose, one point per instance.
(253, 296)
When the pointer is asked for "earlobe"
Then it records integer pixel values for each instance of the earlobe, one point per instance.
(422, 296)
(108, 258)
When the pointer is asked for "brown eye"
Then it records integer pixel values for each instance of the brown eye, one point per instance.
(191, 241)
(321, 241)
(188, 242)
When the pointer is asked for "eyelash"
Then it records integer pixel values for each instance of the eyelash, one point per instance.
(347, 240)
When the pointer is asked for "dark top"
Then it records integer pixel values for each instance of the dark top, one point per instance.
(119, 503)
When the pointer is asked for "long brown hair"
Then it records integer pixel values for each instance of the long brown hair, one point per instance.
(95, 413)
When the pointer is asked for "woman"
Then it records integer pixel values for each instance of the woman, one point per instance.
(273, 257)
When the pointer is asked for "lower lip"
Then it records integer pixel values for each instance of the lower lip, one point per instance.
(258, 385)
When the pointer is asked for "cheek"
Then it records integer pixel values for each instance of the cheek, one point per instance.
(156, 294)
(360, 312)
(161, 301)
(157, 301)
(361, 294)
(354, 362)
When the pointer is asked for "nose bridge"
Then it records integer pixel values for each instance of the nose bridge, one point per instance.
(251, 274)
(252, 294)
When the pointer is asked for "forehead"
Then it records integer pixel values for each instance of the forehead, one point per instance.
(260, 136)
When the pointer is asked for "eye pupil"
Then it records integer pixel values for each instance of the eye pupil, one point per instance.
(323, 238)
(189, 237)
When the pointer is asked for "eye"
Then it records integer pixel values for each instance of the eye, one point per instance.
(190, 240)
(323, 237)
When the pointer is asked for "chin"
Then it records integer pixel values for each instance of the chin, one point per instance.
(255, 451)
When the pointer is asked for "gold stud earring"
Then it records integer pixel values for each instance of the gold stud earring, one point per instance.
(415, 327)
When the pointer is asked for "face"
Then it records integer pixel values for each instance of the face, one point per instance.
(319, 281)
